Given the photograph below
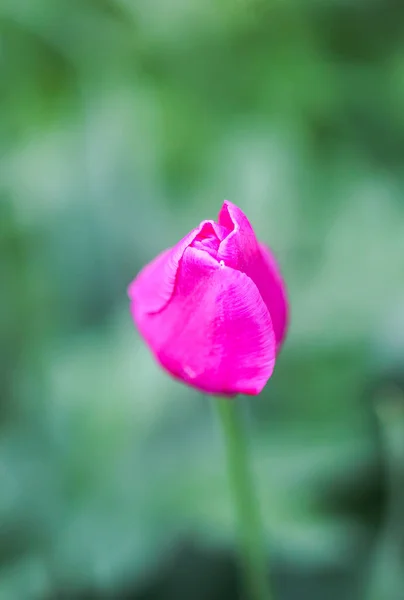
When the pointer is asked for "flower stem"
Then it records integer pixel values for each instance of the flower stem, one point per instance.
(246, 504)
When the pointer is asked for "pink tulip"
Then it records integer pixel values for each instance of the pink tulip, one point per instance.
(213, 309)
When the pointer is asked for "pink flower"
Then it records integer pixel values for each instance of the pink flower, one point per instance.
(213, 309)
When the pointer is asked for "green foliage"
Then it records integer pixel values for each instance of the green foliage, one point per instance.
(123, 124)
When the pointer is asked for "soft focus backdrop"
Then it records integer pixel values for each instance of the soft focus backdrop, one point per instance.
(123, 124)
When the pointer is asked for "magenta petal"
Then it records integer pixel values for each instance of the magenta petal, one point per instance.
(241, 250)
(216, 332)
(273, 290)
(154, 285)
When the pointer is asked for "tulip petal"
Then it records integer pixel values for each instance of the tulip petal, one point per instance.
(216, 332)
(241, 250)
(154, 285)
(274, 293)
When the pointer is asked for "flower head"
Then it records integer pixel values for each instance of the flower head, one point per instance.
(213, 308)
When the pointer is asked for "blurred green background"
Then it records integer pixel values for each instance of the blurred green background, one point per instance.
(123, 124)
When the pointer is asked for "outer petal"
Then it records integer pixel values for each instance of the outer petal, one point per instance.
(216, 333)
(275, 294)
(241, 250)
(154, 286)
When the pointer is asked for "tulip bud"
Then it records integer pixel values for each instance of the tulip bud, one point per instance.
(213, 309)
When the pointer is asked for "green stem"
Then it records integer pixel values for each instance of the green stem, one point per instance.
(249, 522)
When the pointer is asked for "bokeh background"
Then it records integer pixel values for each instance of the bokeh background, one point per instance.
(123, 124)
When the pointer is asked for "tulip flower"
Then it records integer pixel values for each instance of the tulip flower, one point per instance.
(213, 308)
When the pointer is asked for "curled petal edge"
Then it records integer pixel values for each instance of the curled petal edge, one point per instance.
(154, 285)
